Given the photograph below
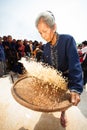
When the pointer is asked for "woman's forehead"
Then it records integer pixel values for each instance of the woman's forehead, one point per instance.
(42, 23)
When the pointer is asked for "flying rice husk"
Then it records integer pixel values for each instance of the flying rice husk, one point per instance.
(46, 74)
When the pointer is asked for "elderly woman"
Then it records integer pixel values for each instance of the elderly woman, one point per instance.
(60, 52)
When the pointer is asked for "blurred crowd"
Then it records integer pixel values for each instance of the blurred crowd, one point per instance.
(82, 51)
(12, 50)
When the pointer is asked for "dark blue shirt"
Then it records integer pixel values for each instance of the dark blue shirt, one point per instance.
(2, 54)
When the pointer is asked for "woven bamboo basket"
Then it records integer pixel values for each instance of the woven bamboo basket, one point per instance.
(34, 94)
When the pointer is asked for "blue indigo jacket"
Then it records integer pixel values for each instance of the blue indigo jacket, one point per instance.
(68, 61)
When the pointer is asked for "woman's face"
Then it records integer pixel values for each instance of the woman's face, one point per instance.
(45, 31)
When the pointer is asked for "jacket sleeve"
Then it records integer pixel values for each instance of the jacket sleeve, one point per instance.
(75, 70)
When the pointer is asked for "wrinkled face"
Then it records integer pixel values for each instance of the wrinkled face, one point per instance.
(45, 31)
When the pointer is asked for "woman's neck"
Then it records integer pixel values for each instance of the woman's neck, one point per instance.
(54, 39)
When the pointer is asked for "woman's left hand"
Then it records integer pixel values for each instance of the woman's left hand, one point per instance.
(75, 98)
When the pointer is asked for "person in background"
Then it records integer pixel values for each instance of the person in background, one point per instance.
(84, 62)
(27, 48)
(2, 59)
(21, 48)
(31, 48)
(79, 50)
(60, 52)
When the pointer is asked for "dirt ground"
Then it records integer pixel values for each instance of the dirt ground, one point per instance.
(14, 116)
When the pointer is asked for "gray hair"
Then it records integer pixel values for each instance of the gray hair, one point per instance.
(47, 17)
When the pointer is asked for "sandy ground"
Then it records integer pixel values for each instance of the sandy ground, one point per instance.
(83, 103)
(14, 116)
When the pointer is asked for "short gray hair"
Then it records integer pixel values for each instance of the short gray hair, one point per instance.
(47, 17)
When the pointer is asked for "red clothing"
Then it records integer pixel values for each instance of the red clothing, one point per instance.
(22, 50)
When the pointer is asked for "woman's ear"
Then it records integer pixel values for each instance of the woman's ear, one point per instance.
(54, 28)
